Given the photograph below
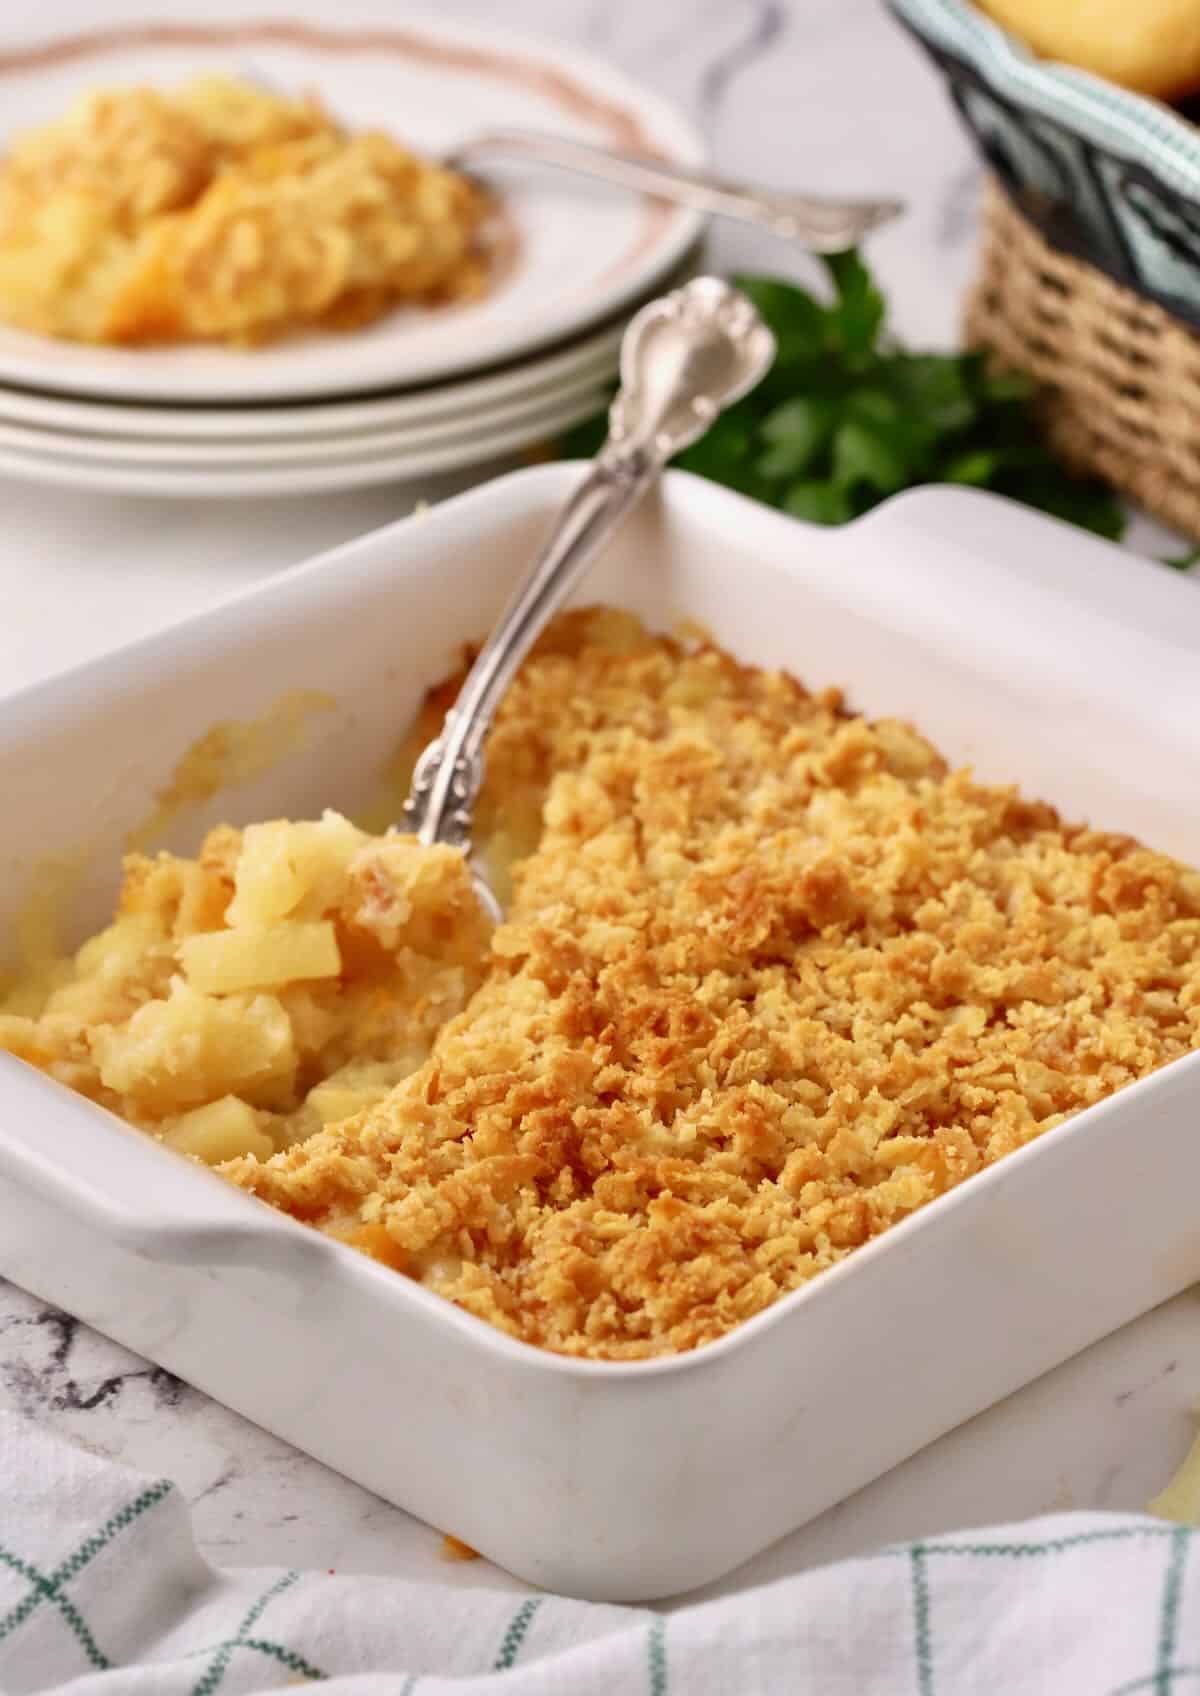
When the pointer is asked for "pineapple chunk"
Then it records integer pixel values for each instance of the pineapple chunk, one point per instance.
(120, 948)
(292, 870)
(191, 1048)
(222, 962)
(355, 1087)
(222, 1130)
(115, 971)
(402, 891)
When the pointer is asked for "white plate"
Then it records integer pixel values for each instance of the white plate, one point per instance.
(593, 356)
(582, 251)
(519, 409)
(1022, 646)
(354, 470)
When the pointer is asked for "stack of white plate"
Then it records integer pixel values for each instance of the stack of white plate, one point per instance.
(418, 393)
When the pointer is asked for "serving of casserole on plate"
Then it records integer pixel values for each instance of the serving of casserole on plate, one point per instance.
(219, 210)
(773, 977)
(195, 210)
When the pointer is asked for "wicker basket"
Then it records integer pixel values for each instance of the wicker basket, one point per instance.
(1122, 376)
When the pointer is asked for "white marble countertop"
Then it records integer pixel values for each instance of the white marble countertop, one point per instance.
(819, 92)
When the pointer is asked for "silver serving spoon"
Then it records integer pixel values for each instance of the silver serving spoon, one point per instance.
(823, 224)
(684, 359)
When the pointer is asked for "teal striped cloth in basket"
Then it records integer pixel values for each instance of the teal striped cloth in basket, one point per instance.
(1110, 176)
(103, 1593)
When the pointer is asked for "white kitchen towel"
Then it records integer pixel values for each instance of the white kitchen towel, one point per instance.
(103, 1593)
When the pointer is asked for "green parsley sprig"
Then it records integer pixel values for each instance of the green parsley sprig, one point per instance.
(845, 417)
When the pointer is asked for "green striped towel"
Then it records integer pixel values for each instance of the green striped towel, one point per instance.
(103, 1593)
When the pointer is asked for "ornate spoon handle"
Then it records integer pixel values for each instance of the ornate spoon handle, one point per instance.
(684, 358)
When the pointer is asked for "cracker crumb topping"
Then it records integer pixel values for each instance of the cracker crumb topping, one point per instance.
(772, 978)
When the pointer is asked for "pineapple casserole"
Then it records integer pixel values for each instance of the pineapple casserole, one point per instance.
(220, 211)
(771, 978)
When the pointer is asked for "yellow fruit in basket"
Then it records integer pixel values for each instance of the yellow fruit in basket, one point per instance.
(1152, 46)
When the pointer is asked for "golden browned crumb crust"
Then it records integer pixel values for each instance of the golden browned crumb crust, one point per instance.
(772, 978)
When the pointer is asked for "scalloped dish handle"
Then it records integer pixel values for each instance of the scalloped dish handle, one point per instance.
(85, 1160)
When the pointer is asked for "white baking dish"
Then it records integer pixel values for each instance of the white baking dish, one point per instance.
(1016, 643)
